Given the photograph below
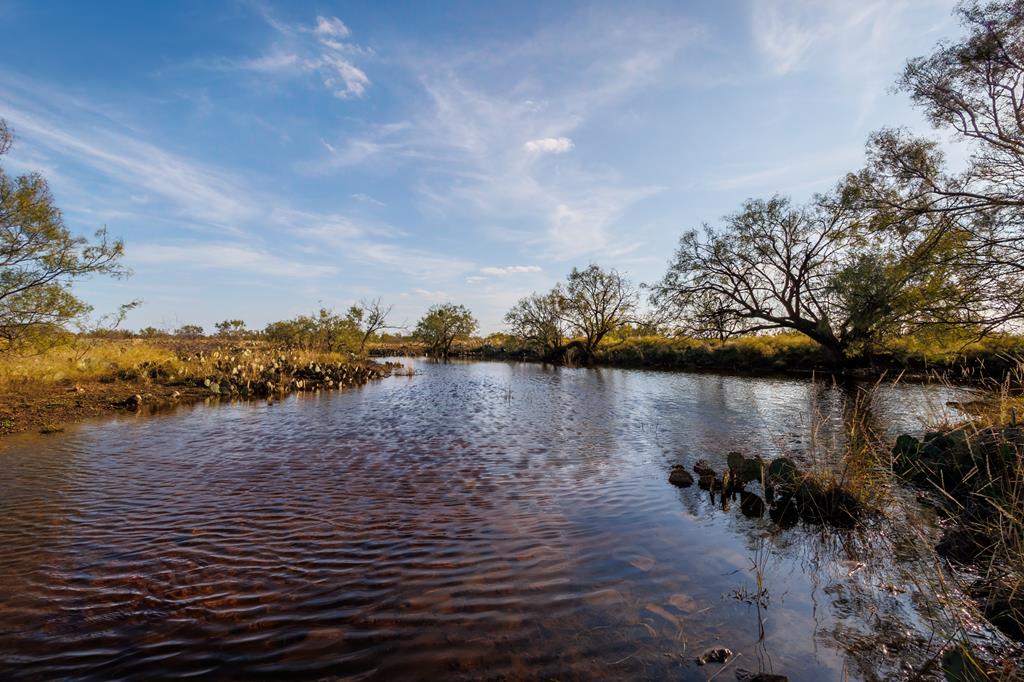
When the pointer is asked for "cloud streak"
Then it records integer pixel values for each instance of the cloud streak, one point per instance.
(510, 269)
(319, 49)
(549, 145)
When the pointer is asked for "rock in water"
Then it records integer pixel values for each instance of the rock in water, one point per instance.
(736, 461)
(702, 468)
(680, 476)
(782, 471)
(714, 655)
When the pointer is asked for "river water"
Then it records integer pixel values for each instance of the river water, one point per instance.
(476, 520)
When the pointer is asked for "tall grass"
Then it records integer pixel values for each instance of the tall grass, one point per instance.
(171, 361)
(973, 474)
(79, 362)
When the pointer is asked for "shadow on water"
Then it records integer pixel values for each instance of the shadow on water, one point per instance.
(475, 519)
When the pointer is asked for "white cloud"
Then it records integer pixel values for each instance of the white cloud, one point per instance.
(510, 269)
(271, 63)
(549, 145)
(850, 35)
(367, 199)
(340, 76)
(225, 257)
(203, 194)
(480, 107)
(167, 188)
(331, 26)
(320, 50)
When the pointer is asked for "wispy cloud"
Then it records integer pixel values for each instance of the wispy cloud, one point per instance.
(161, 185)
(203, 255)
(487, 115)
(549, 145)
(320, 48)
(203, 194)
(510, 269)
(332, 27)
(789, 33)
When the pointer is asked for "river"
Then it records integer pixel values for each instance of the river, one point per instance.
(475, 520)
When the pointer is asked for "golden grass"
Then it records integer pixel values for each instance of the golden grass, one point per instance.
(105, 359)
(85, 361)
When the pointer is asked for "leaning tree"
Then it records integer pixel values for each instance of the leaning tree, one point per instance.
(813, 269)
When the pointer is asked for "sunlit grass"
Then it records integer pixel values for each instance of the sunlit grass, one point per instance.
(84, 361)
(134, 359)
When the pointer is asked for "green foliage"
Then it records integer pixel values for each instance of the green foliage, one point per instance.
(327, 331)
(231, 328)
(443, 325)
(776, 352)
(189, 331)
(40, 260)
(590, 305)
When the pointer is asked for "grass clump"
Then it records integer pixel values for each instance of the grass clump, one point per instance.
(974, 472)
(79, 363)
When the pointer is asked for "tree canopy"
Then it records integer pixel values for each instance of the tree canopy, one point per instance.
(40, 259)
(443, 325)
(591, 304)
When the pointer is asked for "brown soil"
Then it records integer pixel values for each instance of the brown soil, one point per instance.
(46, 407)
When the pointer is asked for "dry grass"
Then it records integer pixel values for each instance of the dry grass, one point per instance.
(90, 376)
(87, 361)
(973, 472)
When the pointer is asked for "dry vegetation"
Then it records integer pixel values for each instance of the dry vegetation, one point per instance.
(88, 377)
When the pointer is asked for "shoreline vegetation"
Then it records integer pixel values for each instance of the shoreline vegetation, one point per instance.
(990, 360)
(91, 377)
(87, 376)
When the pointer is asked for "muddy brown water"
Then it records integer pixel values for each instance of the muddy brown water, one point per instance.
(476, 520)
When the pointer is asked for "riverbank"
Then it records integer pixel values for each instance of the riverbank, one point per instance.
(43, 392)
(973, 474)
(992, 359)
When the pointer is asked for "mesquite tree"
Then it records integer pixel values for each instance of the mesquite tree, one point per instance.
(814, 269)
(596, 302)
(40, 260)
(371, 317)
(537, 320)
(443, 325)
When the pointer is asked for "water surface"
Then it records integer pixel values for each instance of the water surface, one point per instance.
(477, 520)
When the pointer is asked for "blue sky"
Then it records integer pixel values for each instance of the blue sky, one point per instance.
(262, 159)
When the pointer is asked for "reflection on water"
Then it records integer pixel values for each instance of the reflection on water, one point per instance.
(477, 519)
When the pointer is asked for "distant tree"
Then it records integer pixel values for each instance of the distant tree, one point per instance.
(443, 325)
(40, 259)
(326, 331)
(230, 328)
(538, 320)
(371, 317)
(150, 332)
(595, 302)
(189, 331)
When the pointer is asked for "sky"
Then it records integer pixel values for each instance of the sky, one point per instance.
(264, 159)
